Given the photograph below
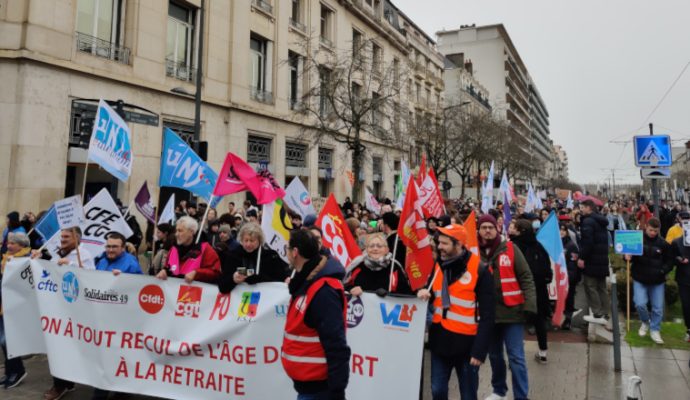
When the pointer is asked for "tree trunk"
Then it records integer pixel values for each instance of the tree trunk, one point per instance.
(479, 180)
(356, 168)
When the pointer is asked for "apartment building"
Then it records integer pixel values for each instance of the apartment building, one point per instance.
(62, 56)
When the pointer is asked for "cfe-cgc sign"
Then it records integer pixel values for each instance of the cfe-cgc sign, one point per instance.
(134, 333)
(628, 242)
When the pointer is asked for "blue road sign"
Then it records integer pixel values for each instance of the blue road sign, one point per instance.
(653, 151)
(628, 242)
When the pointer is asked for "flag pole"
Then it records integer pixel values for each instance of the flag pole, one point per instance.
(83, 186)
(129, 207)
(395, 250)
(258, 256)
(155, 227)
(78, 254)
(627, 283)
(203, 220)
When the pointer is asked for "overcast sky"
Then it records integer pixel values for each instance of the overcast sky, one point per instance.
(601, 67)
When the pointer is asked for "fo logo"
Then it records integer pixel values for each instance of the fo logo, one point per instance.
(188, 300)
(151, 299)
(399, 317)
(221, 308)
(249, 306)
(355, 311)
(70, 287)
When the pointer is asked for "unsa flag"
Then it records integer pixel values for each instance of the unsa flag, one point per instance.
(419, 261)
(336, 234)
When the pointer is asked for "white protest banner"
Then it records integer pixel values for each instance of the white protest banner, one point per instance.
(69, 212)
(133, 333)
(111, 145)
(298, 199)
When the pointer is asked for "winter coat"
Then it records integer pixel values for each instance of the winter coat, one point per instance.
(358, 274)
(571, 256)
(126, 263)
(655, 262)
(272, 269)
(594, 245)
(536, 256)
(515, 314)
(679, 252)
(209, 266)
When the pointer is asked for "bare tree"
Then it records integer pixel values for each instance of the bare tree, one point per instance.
(352, 97)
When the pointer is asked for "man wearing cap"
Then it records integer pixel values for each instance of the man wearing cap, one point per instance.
(676, 231)
(514, 296)
(463, 314)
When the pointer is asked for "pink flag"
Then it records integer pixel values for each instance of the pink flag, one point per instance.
(235, 176)
(269, 190)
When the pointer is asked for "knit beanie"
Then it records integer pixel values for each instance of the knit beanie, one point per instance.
(487, 218)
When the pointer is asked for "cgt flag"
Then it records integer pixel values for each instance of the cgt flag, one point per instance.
(336, 234)
(430, 198)
(276, 226)
(143, 203)
(419, 261)
(550, 237)
(182, 168)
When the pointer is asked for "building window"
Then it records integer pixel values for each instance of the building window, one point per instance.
(296, 16)
(396, 73)
(259, 56)
(325, 171)
(378, 176)
(357, 41)
(99, 29)
(418, 93)
(258, 150)
(294, 61)
(296, 155)
(375, 109)
(263, 5)
(356, 94)
(324, 91)
(180, 53)
(376, 58)
(326, 26)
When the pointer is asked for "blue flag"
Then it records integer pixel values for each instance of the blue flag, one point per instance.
(182, 168)
(507, 216)
(48, 225)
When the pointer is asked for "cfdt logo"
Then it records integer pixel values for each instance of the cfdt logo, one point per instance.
(70, 287)
(188, 301)
(249, 306)
(46, 284)
(355, 311)
(151, 299)
(221, 308)
(399, 317)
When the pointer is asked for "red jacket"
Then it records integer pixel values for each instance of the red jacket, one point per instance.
(200, 258)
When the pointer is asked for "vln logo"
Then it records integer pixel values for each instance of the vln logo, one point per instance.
(188, 301)
(151, 299)
(249, 306)
(399, 317)
(70, 287)
(46, 284)
(221, 308)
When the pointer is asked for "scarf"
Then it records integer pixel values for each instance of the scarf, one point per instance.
(446, 267)
(489, 248)
(310, 269)
(377, 265)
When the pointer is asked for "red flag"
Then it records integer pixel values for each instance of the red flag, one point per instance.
(430, 198)
(419, 261)
(237, 176)
(432, 174)
(336, 234)
(421, 175)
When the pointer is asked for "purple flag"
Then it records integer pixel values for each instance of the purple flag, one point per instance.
(144, 205)
(507, 217)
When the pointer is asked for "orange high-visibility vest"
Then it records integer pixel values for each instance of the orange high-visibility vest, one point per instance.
(302, 355)
(461, 317)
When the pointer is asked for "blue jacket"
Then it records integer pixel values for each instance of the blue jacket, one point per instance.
(126, 263)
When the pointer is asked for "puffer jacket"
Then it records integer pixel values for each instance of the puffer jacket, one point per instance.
(594, 245)
(655, 262)
(681, 252)
(536, 256)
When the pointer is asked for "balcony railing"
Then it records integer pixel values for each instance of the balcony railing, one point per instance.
(297, 25)
(261, 95)
(263, 6)
(102, 48)
(180, 70)
(326, 41)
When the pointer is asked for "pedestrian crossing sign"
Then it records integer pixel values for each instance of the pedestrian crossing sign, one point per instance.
(653, 151)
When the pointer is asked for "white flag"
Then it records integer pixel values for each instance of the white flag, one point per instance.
(488, 192)
(111, 144)
(168, 214)
(298, 199)
(531, 199)
(371, 202)
(505, 190)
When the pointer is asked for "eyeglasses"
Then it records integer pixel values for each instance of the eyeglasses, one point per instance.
(112, 246)
(379, 245)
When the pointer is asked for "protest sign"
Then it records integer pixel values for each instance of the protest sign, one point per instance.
(174, 340)
(628, 242)
(69, 212)
(111, 145)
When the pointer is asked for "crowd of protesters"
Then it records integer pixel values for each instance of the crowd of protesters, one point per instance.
(480, 303)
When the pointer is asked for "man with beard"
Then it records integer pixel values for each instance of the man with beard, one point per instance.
(515, 296)
(463, 314)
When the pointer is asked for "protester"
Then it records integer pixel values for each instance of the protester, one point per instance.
(463, 314)
(315, 354)
(318, 234)
(189, 260)
(515, 296)
(225, 241)
(242, 265)
(115, 259)
(12, 225)
(165, 239)
(574, 273)
(67, 253)
(649, 277)
(371, 272)
(390, 228)
(539, 263)
(594, 261)
(676, 231)
(681, 257)
(18, 245)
